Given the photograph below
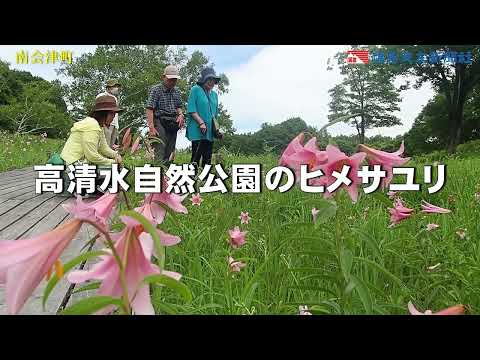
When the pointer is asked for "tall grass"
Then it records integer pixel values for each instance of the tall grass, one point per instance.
(351, 264)
(19, 151)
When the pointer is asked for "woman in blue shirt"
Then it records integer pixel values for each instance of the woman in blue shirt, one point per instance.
(202, 110)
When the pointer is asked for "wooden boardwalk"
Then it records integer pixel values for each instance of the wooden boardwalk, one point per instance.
(24, 214)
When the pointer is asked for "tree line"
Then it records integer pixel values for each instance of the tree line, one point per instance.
(366, 98)
(368, 92)
(30, 104)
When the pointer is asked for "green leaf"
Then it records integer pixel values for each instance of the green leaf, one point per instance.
(326, 211)
(171, 283)
(363, 292)
(92, 286)
(91, 305)
(206, 307)
(117, 227)
(89, 244)
(312, 288)
(318, 309)
(147, 225)
(384, 271)
(370, 242)
(378, 195)
(262, 267)
(316, 240)
(249, 296)
(346, 262)
(66, 268)
(165, 308)
(349, 288)
(333, 305)
(156, 140)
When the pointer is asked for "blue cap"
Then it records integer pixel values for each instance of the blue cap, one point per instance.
(206, 74)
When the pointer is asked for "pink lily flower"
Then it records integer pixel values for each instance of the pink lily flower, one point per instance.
(387, 160)
(152, 211)
(453, 310)
(24, 263)
(165, 239)
(296, 155)
(296, 145)
(196, 199)
(399, 212)
(244, 217)
(137, 247)
(98, 211)
(136, 145)
(311, 146)
(429, 208)
(304, 310)
(234, 265)
(431, 227)
(127, 139)
(173, 201)
(237, 237)
(314, 214)
(336, 161)
(308, 155)
(152, 207)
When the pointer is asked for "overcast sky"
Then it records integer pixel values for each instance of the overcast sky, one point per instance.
(267, 84)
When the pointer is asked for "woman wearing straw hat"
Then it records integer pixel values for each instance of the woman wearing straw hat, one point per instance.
(87, 139)
(202, 110)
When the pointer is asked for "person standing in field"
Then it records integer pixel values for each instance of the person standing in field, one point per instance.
(202, 110)
(164, 115)
(111, 132)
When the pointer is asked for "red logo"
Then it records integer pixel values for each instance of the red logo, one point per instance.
(357, 57)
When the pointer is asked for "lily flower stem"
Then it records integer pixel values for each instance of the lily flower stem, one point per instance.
(338, 231)
(230, 295)
(126, 200)
(339, 243)
(126, 303)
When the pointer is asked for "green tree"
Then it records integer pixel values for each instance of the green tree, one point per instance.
(137, 68)
(39, 108)
(12, 81)
(270, 138)
(431, 128)
(366, 91)
(471, 126)
(225, 121)
(454, 80)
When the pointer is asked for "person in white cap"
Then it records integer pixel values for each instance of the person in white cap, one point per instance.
(165, 115)
(111, 133)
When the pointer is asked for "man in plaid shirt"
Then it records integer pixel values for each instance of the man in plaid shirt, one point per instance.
(164, 98)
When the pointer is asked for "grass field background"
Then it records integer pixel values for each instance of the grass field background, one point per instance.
(352, 263)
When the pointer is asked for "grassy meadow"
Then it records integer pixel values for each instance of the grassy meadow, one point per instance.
(351, 263)
(348, 262)
(19, 151)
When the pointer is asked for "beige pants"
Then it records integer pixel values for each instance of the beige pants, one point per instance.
(110, 134)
